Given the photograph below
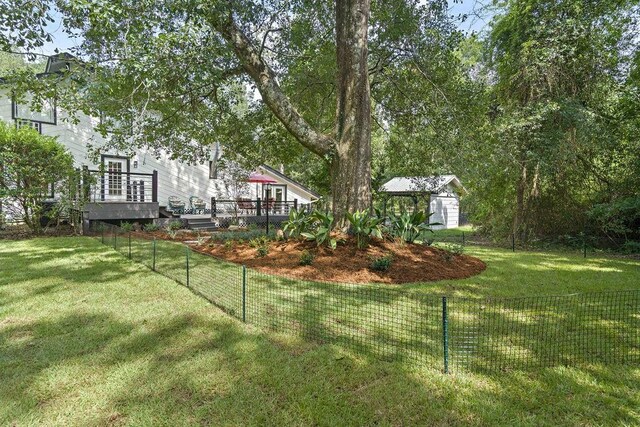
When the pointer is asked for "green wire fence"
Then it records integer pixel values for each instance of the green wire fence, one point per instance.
(380, 322)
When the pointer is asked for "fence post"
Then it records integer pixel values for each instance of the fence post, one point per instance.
(187, 251)
(154, 255)
(267, 213)
(445, 335)
(129, 245)
(244, 293)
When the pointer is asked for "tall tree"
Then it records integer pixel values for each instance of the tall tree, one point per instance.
(560, 66)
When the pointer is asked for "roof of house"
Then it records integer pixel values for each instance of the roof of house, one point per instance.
(59, 62)
(290, 180)
(420, 184)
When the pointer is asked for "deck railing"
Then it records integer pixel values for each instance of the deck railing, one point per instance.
(253, 207)
(112, 186)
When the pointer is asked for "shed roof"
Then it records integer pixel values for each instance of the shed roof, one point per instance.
(420, 184)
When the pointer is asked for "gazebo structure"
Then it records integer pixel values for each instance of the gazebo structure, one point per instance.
(440, 194)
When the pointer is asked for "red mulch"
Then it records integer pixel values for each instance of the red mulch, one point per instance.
(348, 264)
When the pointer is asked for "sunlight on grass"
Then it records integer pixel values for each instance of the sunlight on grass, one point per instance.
(94, 339)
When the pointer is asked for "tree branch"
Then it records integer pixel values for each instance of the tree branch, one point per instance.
(270, 90)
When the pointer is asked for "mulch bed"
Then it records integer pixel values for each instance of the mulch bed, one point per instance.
(348, 264)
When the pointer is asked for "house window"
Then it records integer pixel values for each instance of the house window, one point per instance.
(114, 169)
(21, 123)
(46, 113)
(213, 169)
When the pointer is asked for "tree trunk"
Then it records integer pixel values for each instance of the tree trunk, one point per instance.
(349, 152)
(351, 161)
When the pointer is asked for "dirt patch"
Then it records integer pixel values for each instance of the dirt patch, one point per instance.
(348, 264)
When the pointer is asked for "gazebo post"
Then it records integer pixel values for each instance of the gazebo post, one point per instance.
(384, 206)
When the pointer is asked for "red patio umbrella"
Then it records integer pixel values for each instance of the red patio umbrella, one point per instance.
(260, 179)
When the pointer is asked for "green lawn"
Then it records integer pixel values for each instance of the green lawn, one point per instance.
(90, 338)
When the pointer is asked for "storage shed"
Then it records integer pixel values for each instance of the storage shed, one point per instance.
(439, 194)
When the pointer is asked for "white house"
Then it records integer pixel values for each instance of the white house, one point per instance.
(442, 193)
(140, 186)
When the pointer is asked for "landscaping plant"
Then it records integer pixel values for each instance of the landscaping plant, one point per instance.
(320, 231)
(381, 263)
(306, 258)
(299, 222)
(151, 227)
(174, 225)
(411, 226)
(33, 166)
(363, 226)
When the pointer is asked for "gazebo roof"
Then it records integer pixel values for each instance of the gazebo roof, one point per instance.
(412, 185)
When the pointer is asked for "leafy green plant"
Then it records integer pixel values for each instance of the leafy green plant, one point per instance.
(320, 231)
(262, 251)
(363, 226)
(410, 227)
(151, 227)
(201, 239)
(34, 166)
(229, 244)
(172, 233)
(381, 263)
(451, 250)
(299, 222)
(259, 241)
(126, 227)
(631, 247)
(306, 258)
(174, 225)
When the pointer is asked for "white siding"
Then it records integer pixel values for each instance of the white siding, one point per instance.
(174, 178)
(446, 209)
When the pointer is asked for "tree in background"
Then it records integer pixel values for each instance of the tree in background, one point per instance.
(557, 138)
(32, 167)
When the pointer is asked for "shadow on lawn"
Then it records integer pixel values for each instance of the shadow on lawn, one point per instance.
(192, 368)
(181, 365)
(393, 323)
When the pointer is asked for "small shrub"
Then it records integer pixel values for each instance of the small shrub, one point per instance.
(172, 233)
(262, 251)
(126, 227)
(306, 258)
(229, 244)
(259, 241)
(174, 225)
(151, 227)
(381, 263)
(631, 247)
(451, 250)
(201, 239)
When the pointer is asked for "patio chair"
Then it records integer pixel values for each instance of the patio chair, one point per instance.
(197, 204)
(175, 204)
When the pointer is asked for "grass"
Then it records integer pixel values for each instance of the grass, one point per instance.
(90, 338)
